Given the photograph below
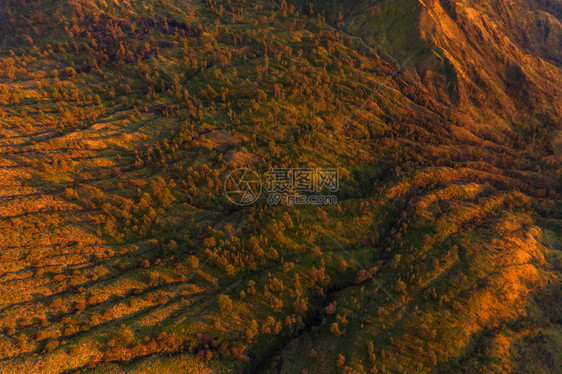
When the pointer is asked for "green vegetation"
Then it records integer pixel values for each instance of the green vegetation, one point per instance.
(119, 121)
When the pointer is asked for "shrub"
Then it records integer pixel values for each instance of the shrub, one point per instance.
(56, 303)
(51, 345)
(93, 300)
(80, 306)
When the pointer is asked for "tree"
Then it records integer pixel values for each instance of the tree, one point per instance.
(341, 361)
(192, 262)
(225, 303)
(335, 329)
(252, 330)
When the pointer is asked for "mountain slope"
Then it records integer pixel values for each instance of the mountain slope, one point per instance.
(498, 56)
(121, 253)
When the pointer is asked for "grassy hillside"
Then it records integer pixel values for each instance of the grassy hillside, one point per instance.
(119, 121)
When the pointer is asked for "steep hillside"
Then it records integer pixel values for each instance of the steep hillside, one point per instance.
(121, 120)
(495, 61)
